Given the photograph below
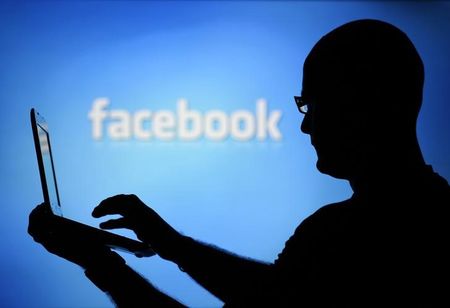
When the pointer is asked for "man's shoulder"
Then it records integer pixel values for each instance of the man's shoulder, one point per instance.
(314, 230)
(327, 218)
(438, 184)
(332, 211)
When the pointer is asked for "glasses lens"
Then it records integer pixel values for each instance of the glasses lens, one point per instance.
(304, 108)
(301, 105)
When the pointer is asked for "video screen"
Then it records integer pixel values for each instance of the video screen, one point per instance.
(49, 170)
(188, 105)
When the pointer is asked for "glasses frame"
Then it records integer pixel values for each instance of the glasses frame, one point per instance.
(301, 105)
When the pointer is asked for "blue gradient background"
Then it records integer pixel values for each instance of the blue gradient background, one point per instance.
(245, 197)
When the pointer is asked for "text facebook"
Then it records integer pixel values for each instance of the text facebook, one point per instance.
(185, 124)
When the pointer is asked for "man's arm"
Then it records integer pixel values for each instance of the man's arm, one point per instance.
(105, 268)
(229, 277)
(127, 288)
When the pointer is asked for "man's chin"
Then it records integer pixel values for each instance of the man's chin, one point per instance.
(334, 170)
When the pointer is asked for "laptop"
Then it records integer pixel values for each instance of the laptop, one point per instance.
(41, 138)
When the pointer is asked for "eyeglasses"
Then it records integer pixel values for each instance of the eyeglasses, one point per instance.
(301, 105)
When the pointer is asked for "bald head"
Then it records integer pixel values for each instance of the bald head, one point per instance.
(369, 59)
(363, 83)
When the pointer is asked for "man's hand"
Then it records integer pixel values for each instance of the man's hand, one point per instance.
(145, 222)
(61, 240)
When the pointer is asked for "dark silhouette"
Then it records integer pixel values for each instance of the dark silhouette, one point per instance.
(384, 247)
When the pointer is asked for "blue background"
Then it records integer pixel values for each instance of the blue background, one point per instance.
(246, 197)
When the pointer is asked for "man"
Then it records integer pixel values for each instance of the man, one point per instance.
(385, 246)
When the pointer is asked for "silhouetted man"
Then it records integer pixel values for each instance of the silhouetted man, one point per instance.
(385, 246)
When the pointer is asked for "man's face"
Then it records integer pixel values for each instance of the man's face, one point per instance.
(337, 131)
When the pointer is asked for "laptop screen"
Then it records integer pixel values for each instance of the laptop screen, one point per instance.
(46, 167)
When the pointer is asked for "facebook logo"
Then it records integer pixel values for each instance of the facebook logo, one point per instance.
(185, 124)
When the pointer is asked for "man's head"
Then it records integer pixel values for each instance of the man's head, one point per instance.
(363, 85)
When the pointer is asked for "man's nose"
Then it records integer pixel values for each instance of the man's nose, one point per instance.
(306, 124)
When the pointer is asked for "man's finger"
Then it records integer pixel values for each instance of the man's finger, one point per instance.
(38, 220)
(115, 224)
(120, 204)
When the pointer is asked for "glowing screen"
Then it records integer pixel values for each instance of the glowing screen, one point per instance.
(189, 105)
(49, 171)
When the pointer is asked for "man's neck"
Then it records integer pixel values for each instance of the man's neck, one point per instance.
(388, 175)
